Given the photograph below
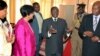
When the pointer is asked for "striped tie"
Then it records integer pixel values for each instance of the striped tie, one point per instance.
(95, 23)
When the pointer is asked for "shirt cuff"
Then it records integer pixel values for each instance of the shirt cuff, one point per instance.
(49, 34)
(84, 35)
(99, 41)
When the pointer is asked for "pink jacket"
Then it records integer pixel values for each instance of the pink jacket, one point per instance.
(25, 42)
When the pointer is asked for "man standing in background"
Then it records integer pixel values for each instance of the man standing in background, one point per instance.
(36, 25)
(76, 40)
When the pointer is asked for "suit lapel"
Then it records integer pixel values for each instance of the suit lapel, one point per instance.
(89, 23)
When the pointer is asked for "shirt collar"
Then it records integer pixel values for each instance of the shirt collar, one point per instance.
(96, 16)
(36, 12)
(54, 19)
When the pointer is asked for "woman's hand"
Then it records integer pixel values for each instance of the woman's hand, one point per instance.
(10, 39)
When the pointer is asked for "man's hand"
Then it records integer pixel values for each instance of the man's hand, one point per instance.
(95, 39)
(52, 30)
(88, 33)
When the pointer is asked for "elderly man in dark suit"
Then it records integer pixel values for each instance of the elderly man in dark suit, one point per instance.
(90, 32)
(54, 29)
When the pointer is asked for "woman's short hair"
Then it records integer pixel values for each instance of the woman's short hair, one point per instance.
(26, 10)
(3, 5)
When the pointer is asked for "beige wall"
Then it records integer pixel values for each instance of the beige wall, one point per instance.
(67, 12)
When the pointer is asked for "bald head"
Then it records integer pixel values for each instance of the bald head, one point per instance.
(96, 8)
(96, 3)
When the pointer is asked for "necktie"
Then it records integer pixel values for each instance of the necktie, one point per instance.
(55, 19)
(95, 23)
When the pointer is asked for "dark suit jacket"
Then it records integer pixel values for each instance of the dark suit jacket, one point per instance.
(90, 48)
(35, 27)
(55, 42)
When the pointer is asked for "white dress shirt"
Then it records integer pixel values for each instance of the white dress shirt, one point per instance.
(54, 19)
(95, 17)
(40, 20)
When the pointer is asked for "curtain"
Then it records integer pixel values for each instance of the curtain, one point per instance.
(18, 5)
(45, 6)
(14, 13)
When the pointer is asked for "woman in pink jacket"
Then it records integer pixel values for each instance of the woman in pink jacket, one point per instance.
(25, 42)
